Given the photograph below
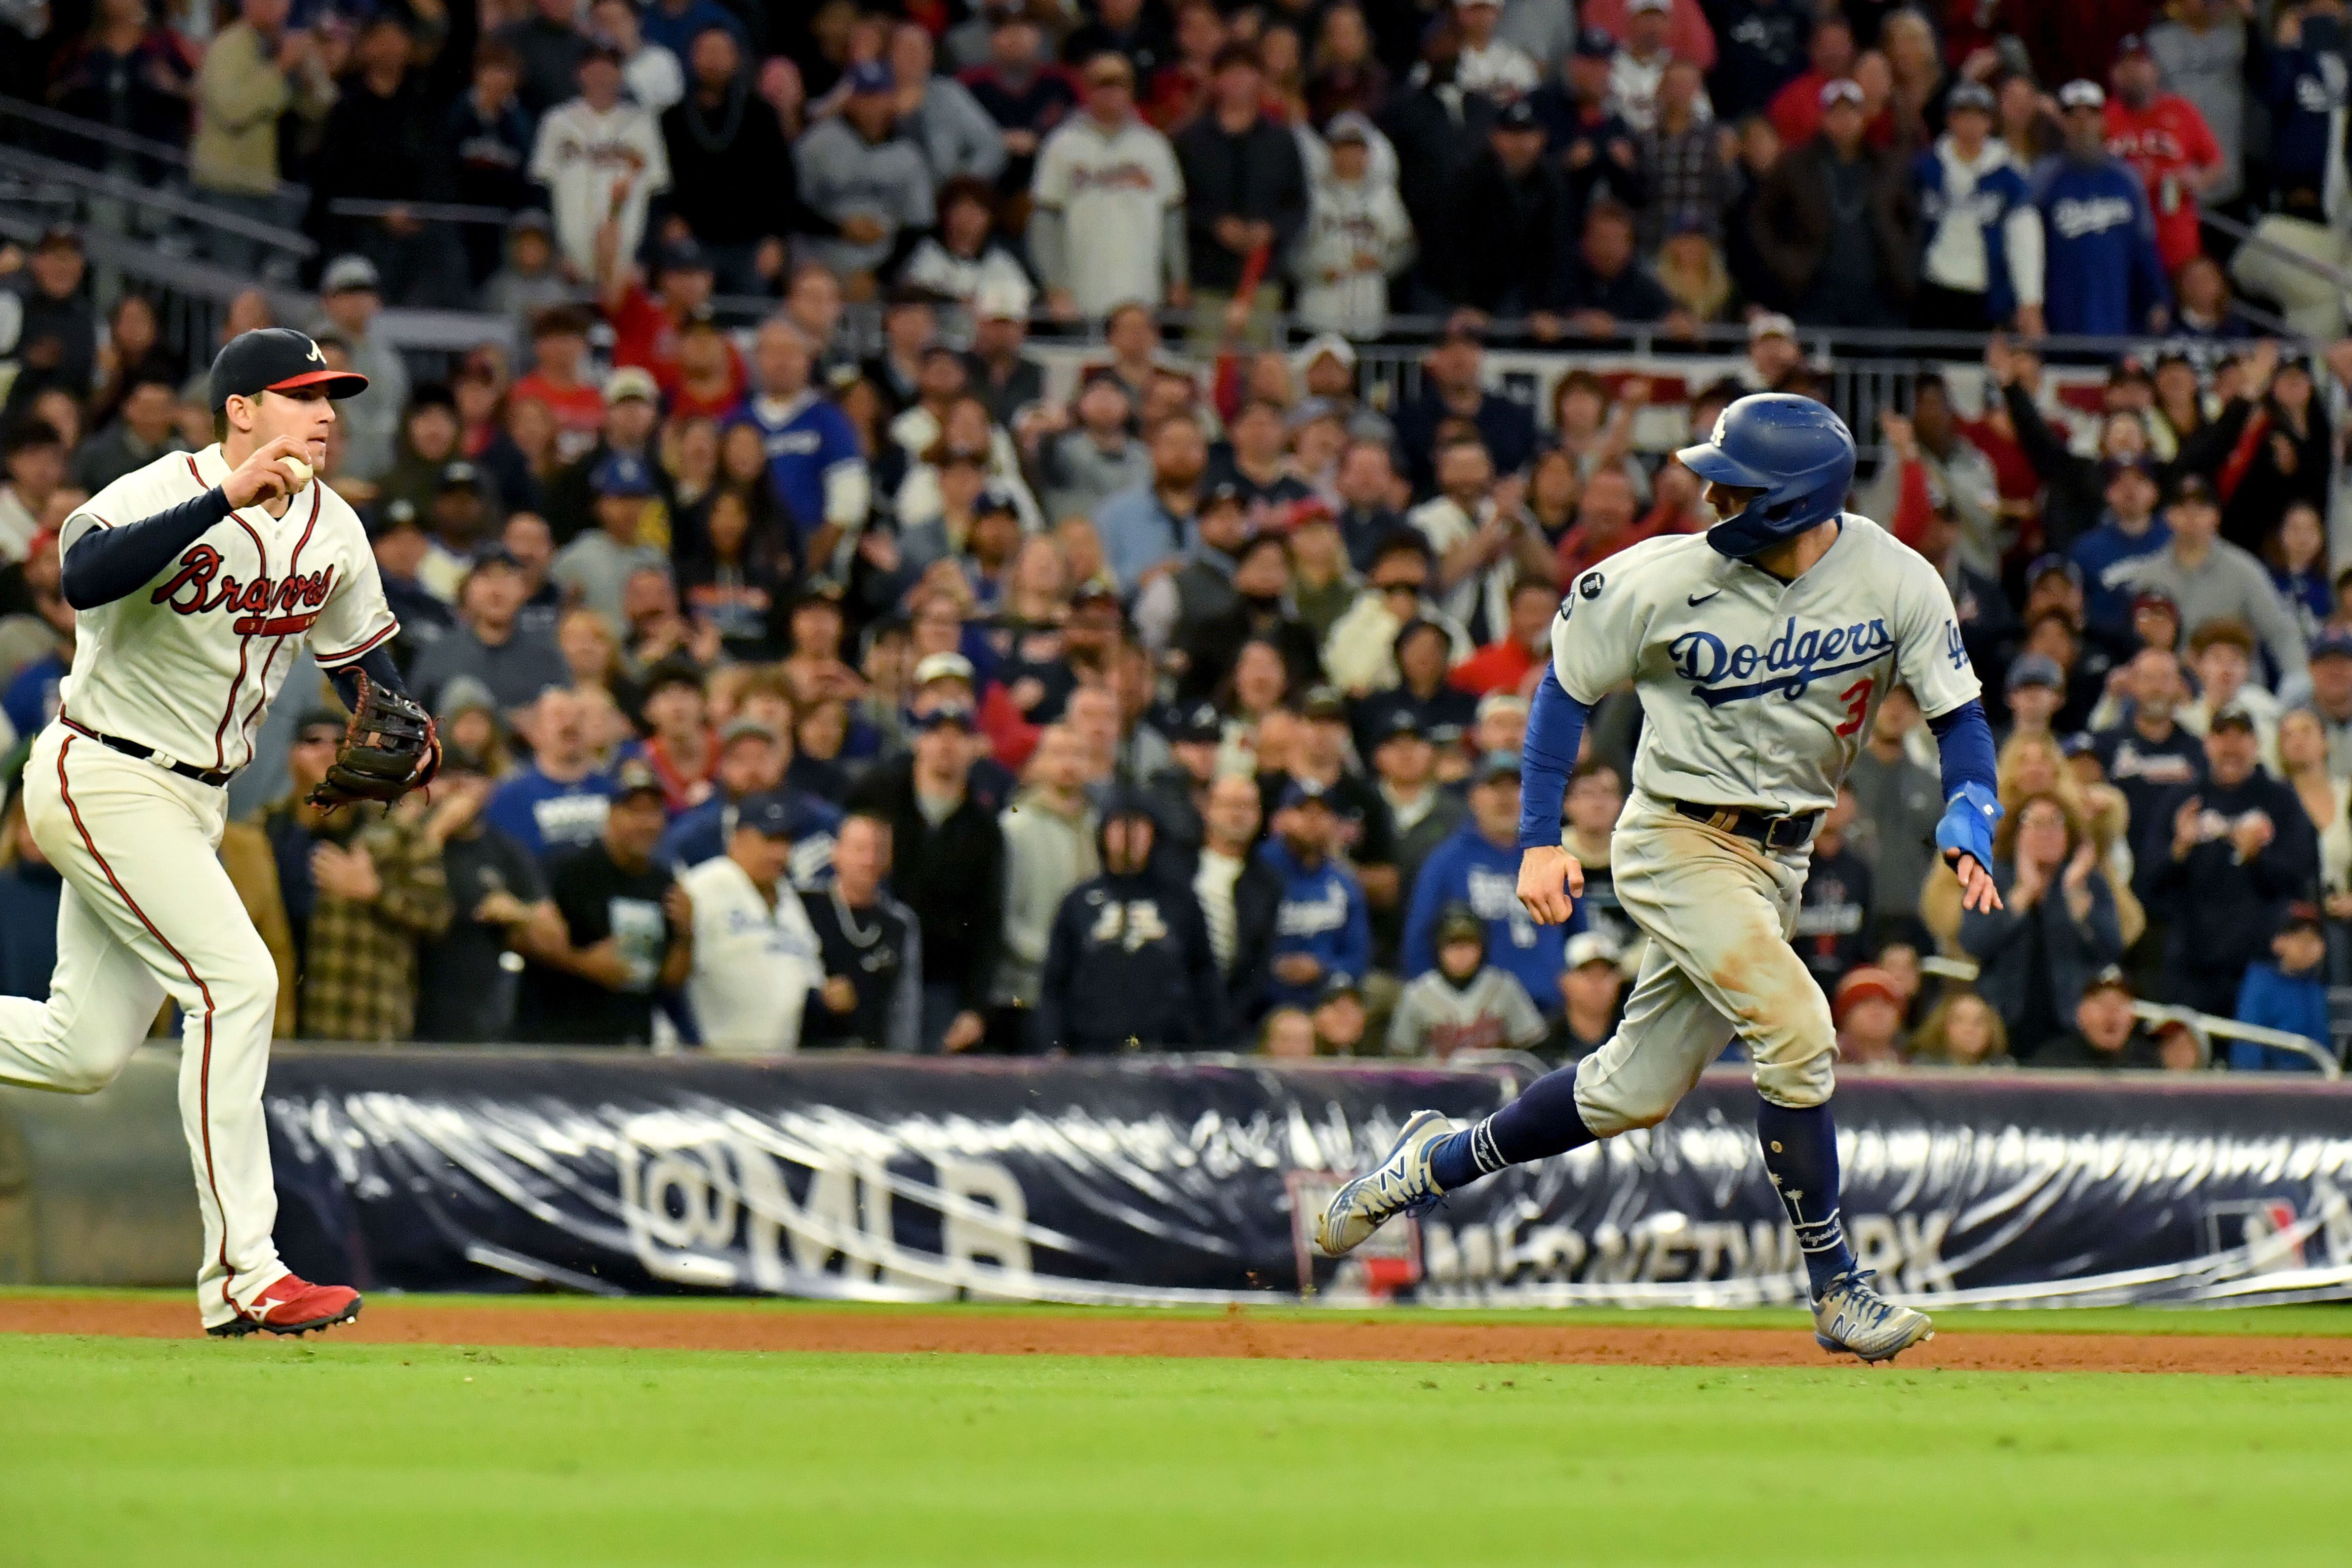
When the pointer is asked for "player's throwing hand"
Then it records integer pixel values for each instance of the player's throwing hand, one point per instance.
(1977, 890)
(1550, 880)
(263, 477)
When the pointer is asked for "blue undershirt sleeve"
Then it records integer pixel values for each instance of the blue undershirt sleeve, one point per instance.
(1964, 739)
(1555, 725)
(107, 564)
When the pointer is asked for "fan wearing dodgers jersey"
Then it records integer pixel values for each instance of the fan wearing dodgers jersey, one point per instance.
(1759, 652)
(196, 580)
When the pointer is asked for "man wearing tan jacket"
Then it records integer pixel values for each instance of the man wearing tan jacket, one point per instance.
(255, 70)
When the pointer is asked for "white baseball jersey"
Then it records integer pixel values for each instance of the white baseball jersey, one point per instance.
(753, 966)
(598, 166)
(189, 663)
(1113, 193)
(1759, 692)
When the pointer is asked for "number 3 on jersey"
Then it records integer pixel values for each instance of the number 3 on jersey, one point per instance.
(1857, 698)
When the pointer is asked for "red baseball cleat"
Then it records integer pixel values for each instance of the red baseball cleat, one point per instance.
(293, 1306)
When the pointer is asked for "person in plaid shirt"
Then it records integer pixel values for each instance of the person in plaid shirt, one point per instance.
(363, 888)
(1682, 163)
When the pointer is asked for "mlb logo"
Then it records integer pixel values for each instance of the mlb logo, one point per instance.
(1388, 1261)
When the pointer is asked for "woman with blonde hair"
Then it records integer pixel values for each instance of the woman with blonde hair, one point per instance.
(1692, 272)
(1964, 1030)
(2031, 764)
(2054, 928)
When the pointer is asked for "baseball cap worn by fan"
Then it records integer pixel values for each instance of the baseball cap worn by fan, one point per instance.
(631, 382)
(1497, 766)
(769, 813)
(871, 77)
(2035, 670)
(1200, 724)
(279, 359)
(2080, 94)
(1459, 922)
(633, 779)
(1861, 985)
(350, 275)
(1842, 91)
(946, 714)
(1591, 948)
(621, 475)
(942, 667)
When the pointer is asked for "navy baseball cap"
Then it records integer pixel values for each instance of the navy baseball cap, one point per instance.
(871, 76)
(634, 778)
(1969, 95)
(2045, 565)
(1593, 44)
(1199, 722)
(1498, 765)
(1400, 724)
(685, 255)
(1304, 792)
(996, 498)
(1517, 115)
(2035, 670)
(946, 714)
(2334, 642)
(621, 475)
(770, 812)
(279, 360)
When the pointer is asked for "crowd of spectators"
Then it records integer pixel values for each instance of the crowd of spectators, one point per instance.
(810, 687)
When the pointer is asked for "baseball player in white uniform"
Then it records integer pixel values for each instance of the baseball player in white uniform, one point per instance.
(196, 580)
(1759, 652)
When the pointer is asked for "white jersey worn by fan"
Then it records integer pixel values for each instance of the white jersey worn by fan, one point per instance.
(1756, 695)
(185, 667)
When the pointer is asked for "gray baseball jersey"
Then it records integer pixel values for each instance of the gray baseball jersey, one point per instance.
(1759, 692)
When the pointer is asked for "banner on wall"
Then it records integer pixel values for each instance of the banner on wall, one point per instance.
(1166, 1180)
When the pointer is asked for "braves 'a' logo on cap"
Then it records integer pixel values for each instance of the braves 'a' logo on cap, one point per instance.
(315, 351)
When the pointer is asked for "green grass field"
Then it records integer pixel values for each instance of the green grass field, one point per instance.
(190, 1452)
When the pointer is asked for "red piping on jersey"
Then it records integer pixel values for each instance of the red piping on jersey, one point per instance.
(326, 659)
(205, 1081)
(282, 627)
(244, 648)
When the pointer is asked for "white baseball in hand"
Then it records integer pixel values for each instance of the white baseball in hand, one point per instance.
(297, 470)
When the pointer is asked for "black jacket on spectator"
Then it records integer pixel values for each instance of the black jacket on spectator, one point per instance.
(951, 876)
(1759, 47)
(1793, 223)
(2149, 774)
(570, 508)
(1255, 175)
(1596, 170)
(1211, 646)
(1437, 130)
(1128, 964)
(2073, 488)
(1509, 240)
(732, 177)
(2035, 964)
(551, 61)
(144, 91)
(1507, 426)
(379, 147)
(2218, 913)
(1632, 295)
(2240, 452)
(1257, 906)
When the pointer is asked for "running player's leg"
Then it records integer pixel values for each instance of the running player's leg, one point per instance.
(142, 855)
(102, 1001)
(1724, 912)
(1667, 1036)
(102, 998)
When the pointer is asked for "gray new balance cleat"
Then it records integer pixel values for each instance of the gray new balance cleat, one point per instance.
(1852, 1319)
(1400, 1184)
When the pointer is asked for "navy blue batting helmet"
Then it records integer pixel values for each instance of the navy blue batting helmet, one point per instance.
(1796, 450)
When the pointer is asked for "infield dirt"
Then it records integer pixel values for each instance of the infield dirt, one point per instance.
(1238, 1334)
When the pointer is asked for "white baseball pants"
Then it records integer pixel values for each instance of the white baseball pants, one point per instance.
(148, 913)
(1718, 912)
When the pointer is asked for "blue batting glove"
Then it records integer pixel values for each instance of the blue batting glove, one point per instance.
(1967, 823)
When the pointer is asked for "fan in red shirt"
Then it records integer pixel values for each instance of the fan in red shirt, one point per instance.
(1501, 666)
(648, 328)
(559, 352)
(1604, 525)
(2163, 136)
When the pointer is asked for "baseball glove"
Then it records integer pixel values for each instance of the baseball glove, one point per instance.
(390, 749)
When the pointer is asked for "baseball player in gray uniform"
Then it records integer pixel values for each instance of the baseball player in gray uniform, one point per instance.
(1759, 652)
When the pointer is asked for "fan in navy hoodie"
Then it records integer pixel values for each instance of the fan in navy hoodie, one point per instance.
(2104, 277)
(1323, 928)
(1479, 866)
(1128, 963)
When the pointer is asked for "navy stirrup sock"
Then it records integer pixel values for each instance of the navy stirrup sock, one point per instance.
(1801, 1155)
(1543, 1120)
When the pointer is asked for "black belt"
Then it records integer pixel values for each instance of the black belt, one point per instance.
(1773, 832)
(148, 754)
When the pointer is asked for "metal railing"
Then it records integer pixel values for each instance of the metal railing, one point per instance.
(98, 132)
(94, 184)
